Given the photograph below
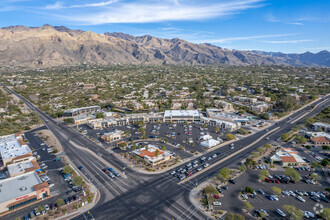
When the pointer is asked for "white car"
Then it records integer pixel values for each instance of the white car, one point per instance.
(199, 168)
(173, 172)
(280, 212)
(46, 207)
(42, 144)
(36, 212)
(216, 203)
(206, 165)
(274, 197)
(244, 196)
(51, 185)
(300, 199)
(308, 214)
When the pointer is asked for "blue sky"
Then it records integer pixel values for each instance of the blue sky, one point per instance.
(269, 25)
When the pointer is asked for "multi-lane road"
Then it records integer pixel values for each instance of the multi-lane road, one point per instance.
(153, 196)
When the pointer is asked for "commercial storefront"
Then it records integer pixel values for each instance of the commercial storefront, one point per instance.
(21, 190)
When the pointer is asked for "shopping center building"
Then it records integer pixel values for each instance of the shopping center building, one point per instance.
(21, 190)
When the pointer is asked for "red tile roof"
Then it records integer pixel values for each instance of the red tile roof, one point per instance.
(149, 154)
(288, 159)
(320, 140)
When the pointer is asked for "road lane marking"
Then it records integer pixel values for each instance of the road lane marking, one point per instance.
(232, 155)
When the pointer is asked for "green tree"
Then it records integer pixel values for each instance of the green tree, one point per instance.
(276, 190)
(163, 148)
(285, 137)
(78, 181)
(325, 162)
(249, 189)
(230, 136)
(242, 168)
(60, 202)
(68, 120)
(293, 212)
(249, 162)
(248, 206)
(224, 173)
(157, 153)
(316, 164)
(67, 169)
(267, 146)
(147, 147)
(210, 190)
(263, 174)
(264, 116)
(315, 176)
(217, 130)
(122, 145)
(41, 208)
(326, 213)
(300, 139)
(309, 121)
(292, 173)
(325, 147)
(134, 147)
(99, 115)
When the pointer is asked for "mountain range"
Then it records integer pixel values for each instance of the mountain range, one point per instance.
(49, 46)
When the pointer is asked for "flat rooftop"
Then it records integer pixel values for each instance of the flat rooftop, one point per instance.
(15, 187)
(178, 113)
(20, 167)
(11, 147)
(82, 108)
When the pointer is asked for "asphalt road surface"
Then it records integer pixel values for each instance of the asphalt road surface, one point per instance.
(157, 196)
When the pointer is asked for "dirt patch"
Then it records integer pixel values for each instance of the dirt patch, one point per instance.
(48, 137)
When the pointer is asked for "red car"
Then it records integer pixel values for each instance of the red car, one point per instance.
(216, 196)
(189, 174)
(277, 181)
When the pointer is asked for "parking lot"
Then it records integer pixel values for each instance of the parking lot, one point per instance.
(49, 163)
(230, 200)
(176, 135)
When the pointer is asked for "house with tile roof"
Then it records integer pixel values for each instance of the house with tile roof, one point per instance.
(287, 157)
(153, 155)
(322, 140)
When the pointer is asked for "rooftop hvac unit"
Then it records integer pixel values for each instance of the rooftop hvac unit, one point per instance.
(23, 188)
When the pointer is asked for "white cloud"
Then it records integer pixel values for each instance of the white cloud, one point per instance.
(57, 5)
(294, 23)
(60, 5)
(230, 39)
(148, 11)
(287, 41)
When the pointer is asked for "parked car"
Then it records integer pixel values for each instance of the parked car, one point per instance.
(264, 211)
(280, 212)
(314, 198)
(232, 181)
(300, 199)
(36, 212)
(261, 192)
(269, 197)
(52, 206)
